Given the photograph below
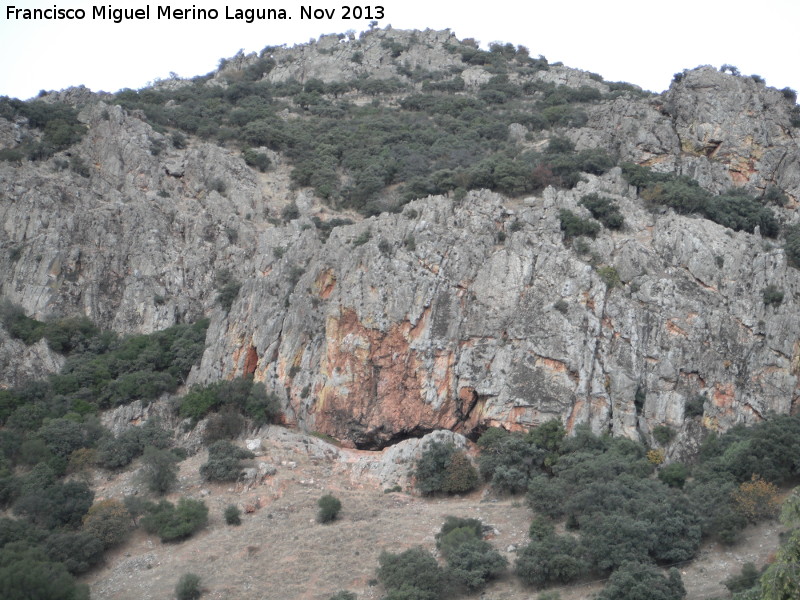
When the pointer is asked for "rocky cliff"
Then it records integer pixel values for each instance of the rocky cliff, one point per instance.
(454, 313)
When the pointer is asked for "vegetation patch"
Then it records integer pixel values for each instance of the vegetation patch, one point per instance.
(735, 208)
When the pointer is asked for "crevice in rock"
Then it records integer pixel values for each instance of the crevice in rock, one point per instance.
(378, 439)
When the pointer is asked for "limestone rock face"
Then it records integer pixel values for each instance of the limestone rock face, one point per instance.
(463, 331)
(136, 244)
(20, 364)
(451, 315)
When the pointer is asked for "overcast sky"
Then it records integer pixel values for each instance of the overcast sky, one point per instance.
(623, 40)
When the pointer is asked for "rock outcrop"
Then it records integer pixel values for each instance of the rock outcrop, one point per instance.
(453, 314)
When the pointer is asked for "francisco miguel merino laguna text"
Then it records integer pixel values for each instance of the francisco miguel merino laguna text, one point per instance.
(249, 15)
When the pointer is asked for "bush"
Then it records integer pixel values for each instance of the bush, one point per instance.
(443, 468)
(224, 461)
(634, 581)
(78, 551)
(227, 289)
(550, 559)
(473, 562)
(256, 159)
(159, 470)
(188, 587)
(473, 526)
(694, 407)
(510, 460)
(573, 226)
(746, 579)
(610, 276)
(329, 508)
(237, 395)
(773, 295)
(173, 523)
(226, 425)
(663, 434)
(757, 500)
(108, 521)
(734, 209)
(674, 475)
(233, 516)
(26, 572)
(343, 595)
(411, 574)
(604, 210)
(54, 505)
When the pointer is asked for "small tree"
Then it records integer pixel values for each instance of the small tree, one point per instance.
(756, 499)
(173, 523)
(663, 434)
(224, 461)
(443, 468)
(188, 587)
(329, 507)
(233, 515)
(159, 469)
(109, 521)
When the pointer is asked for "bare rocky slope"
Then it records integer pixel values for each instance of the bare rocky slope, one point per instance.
(454, 314)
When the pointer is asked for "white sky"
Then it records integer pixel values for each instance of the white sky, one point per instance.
(624, 40)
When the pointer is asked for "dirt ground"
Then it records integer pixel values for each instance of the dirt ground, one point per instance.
(280, 552)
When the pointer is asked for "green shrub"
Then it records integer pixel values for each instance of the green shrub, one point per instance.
(27, 572)
(774, 195)
(237, 395)
(604, 210)
(290, 212)
(663, 434)
(471, 560)
(19, 325)
(694, 407)
(78, 551)
(114, 453)
(173, 523)
(792, 246)
(411, 574)
(55, 504)
(108, 521)
(224, 461)
(443, 468)
(188, 587)
(509, 460)
(227, 289)
(452, 523)
(634, 581)
(674, 475)
(225, 425)
(233, 516)
(256, 159)
(550, 559)
(343, 595)
(773, 295)
(159, 469)
(610, 276)
(734, 209)
(745, 580)
(573, 226)
(329, 507)
(474, 562)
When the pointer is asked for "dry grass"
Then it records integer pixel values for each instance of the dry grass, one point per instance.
(280, 552)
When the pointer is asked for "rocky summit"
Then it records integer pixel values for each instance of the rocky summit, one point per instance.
(380, 299)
